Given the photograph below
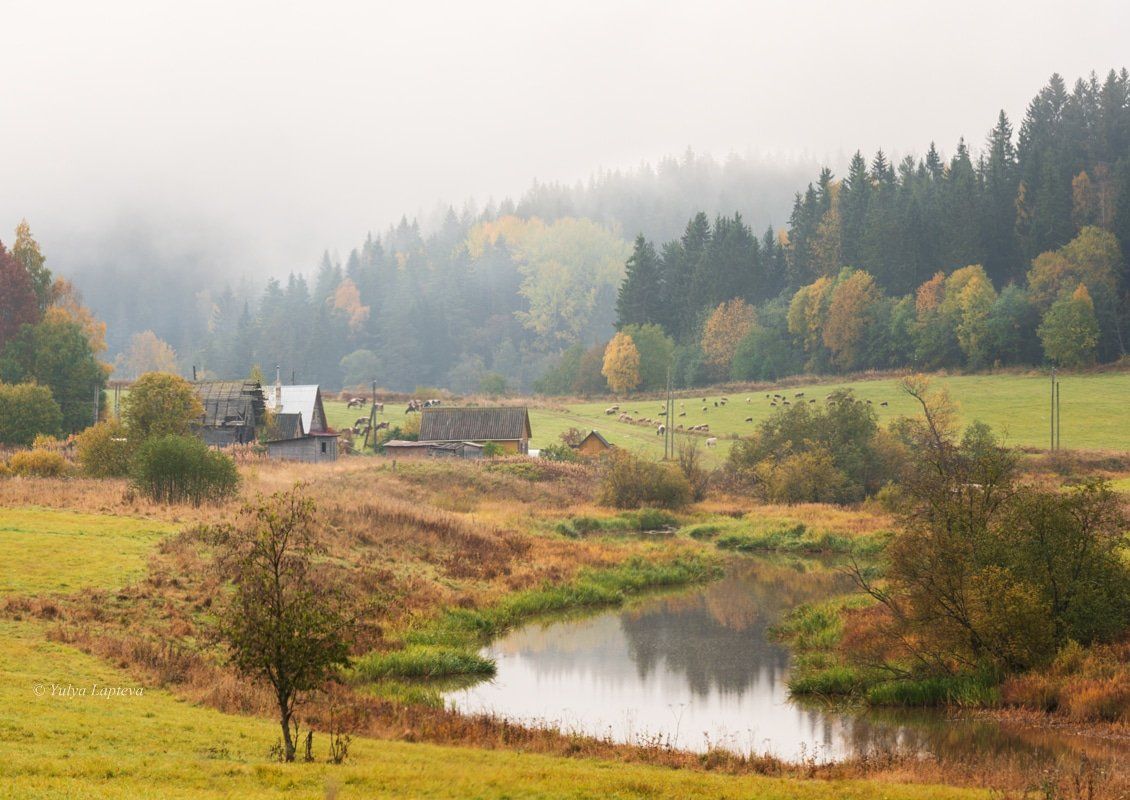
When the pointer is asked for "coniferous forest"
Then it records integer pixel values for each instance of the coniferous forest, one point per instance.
(1012, 250)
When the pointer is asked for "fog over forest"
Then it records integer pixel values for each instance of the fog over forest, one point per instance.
(171, 162)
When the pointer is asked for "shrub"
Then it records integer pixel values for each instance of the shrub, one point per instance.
(172, 469)
(823, 453)
(630, 481)
(38, 463)
(27, 410)
(559, 452)
(492, 450)
(104, 451)
(689, 459)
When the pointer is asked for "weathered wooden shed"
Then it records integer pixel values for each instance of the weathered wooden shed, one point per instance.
(508, 427)
(234, 412)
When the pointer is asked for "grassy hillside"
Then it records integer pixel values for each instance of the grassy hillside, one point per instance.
(1095, 410)
(158, 744)
(49, 551)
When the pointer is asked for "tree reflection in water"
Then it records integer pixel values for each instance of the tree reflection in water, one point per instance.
(699, 669)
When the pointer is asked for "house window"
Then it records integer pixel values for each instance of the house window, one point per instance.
(323, 447)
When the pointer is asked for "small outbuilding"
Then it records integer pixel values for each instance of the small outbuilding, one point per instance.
(300, 432)
(593, 445)
(234, 412)
(507, 426)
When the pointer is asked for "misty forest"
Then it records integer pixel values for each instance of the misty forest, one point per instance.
(927, 261)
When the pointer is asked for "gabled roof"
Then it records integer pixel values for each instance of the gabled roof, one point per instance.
(303, 400)
(230, 403)
(474, 424)
(595, 435)
(288, 426)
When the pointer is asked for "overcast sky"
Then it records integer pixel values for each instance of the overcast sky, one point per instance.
(291, 127)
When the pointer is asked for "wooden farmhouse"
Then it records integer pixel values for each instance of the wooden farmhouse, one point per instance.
(234, 412)
(507, 427)
(593, 445)
(300, 431)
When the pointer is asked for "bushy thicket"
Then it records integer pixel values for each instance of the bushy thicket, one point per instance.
(174, 469)
(630, 481)
(831, 452)
(27, 410)
(989, 572)
(38, 463)
(104, 450)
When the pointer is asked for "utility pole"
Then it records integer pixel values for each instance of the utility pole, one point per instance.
(668, 416)
(1053, 420)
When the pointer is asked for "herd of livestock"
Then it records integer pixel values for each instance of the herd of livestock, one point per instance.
(776, 400)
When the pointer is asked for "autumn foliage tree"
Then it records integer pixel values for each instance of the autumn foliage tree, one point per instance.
(850, 308)
(18, 302)
(621, 364)
(1070, 331)
(724, 330)
(148, 353)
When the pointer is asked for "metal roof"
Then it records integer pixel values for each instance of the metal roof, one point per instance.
(302, 400)
(474, 424)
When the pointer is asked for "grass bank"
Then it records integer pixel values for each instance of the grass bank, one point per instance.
(786, 535)
(447, 646)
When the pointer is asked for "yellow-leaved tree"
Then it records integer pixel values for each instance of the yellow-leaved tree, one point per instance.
(621, 364)
(724, 330)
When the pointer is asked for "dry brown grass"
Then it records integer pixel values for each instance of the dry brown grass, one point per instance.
(426, 537)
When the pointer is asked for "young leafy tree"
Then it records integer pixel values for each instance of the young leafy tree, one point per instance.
(1070, 331)
(148, 353)
(283, 622)
(160, 404)
(621, 364)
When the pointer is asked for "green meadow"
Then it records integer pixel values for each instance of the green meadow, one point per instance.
(1094, 410)
(52, 552)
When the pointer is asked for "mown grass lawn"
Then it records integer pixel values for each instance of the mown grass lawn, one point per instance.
(156, 746)
(47, 551)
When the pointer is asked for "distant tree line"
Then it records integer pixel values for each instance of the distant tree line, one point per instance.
(434, 301)
(1013, 257)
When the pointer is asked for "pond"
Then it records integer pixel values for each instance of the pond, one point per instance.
(698, 669)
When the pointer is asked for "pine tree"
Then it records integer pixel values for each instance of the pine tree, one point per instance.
(641, 291)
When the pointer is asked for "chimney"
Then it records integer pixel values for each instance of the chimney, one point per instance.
(278, 388)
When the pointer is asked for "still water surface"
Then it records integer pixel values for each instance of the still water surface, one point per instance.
(698, 670)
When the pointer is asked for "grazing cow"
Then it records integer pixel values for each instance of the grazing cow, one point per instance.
(784, 402)
(682, 413)
(382, 426)
(660, 430)
(812, 401)
(355, 402)
(704, 409)
(773, 404)
(679, 427)
(610, 411)
(884, 403)
(360, 421)
(713, 440)
(799, 394)
(749, 419)
(868, 402)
